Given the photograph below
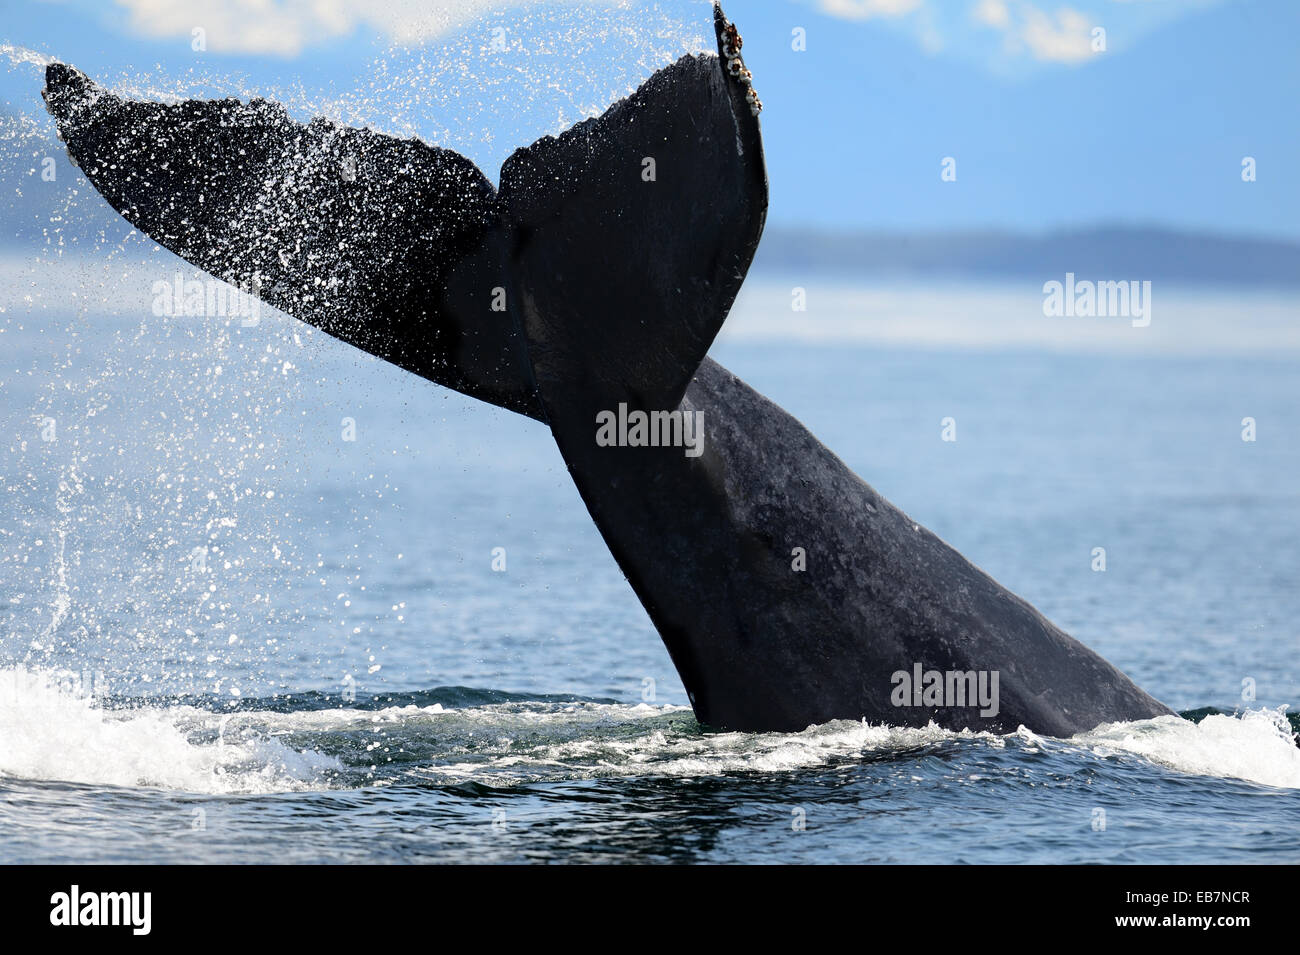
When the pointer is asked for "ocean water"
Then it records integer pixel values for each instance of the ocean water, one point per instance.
(249, 610)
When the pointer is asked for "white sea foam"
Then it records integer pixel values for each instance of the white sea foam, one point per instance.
(51, 731)
(1255, 746)
(668, 751)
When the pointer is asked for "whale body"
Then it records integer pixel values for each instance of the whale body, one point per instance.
(587, 289)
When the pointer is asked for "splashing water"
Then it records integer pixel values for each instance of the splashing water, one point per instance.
(53, 727)
(1259, 745)
(21, 56)
(151, 534)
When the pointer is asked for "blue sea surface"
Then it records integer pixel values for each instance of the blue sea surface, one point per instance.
(264, 598)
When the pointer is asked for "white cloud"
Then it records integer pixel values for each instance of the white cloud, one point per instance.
(1017, 37)
(993, 13)
(286, 27)
(1025, 26)
(1065, 38)
(866, 9)
(1063, 35)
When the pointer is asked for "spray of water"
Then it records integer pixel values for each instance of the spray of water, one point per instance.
(153, 476)
(21, 56)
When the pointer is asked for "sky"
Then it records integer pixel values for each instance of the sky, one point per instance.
(879, 115)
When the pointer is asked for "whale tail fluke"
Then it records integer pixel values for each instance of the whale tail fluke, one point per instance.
(591, 284)
(605, 266)
(634, 231)
(385, 243)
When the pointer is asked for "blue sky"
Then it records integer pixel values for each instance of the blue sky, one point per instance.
(1050, 123)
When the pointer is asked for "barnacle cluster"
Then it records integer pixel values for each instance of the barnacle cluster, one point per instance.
(731, 44)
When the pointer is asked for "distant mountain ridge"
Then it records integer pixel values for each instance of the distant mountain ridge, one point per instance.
(81, 218)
